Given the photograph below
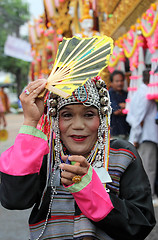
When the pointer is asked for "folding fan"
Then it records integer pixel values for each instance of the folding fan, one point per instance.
(77, 60)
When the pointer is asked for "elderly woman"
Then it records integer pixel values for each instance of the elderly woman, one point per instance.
(72, 193)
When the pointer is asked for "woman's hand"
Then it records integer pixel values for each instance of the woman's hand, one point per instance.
(33, 107)
(69, 171)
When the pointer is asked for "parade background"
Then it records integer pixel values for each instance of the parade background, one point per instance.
(133, 25)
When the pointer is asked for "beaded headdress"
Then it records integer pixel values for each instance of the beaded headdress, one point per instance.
(92, 93)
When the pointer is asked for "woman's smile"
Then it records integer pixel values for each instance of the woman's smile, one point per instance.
(78, 138)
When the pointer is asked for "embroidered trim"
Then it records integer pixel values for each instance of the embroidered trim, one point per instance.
(123, 150)
(32, 131)
(119, 160)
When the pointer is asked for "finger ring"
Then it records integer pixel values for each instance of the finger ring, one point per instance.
(27, 91)
(76, 179)
(34, 91)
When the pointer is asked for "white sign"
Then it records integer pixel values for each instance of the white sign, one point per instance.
(18, 48)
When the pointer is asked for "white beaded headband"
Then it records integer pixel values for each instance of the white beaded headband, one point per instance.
(92, 93)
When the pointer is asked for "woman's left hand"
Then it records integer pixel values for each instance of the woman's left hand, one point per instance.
(69, 171)
(33, 106)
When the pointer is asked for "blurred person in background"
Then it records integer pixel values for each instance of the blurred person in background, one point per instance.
(144, 130)
(3, 122)
(5, 100)
(119, 126)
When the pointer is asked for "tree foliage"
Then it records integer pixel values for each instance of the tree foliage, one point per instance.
(13, 14)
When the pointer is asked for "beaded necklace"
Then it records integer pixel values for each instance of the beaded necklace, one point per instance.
(91, 159)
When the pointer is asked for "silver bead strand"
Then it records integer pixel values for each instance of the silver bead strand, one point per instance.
(91, 156)
(49, 209)
(101, 132)
(56, 165)
(57, 140)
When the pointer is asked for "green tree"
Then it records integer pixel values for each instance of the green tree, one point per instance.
(13, 14)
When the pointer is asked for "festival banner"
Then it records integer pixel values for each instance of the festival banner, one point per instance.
(18, 48)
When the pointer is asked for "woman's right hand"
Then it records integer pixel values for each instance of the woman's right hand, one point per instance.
(33, 107)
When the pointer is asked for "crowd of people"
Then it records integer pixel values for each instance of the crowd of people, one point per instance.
(138, 126)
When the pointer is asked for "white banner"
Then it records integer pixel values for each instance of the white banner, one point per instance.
(18, 48)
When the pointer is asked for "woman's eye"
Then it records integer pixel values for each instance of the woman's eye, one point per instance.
(66, 115)
(90, 114)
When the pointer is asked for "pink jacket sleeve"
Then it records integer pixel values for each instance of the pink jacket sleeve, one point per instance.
(26, 155)
(91, 196)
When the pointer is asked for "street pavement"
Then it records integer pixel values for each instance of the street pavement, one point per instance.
(13, 224)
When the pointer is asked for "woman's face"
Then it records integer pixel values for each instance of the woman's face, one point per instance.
(79, 128)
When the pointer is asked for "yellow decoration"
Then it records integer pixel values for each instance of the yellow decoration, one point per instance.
(133, 27)
(144, 15)
(60, 31)
(48, 24)
(125, 36)
(129, 55)
(138, 20)
(113, 64)
(138, 27)
(3, 135)
(86, 14)
(145, 34)
(62, 19)
(153, 5)
(74, 6)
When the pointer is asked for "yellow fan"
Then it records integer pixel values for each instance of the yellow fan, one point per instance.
(77, 60)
